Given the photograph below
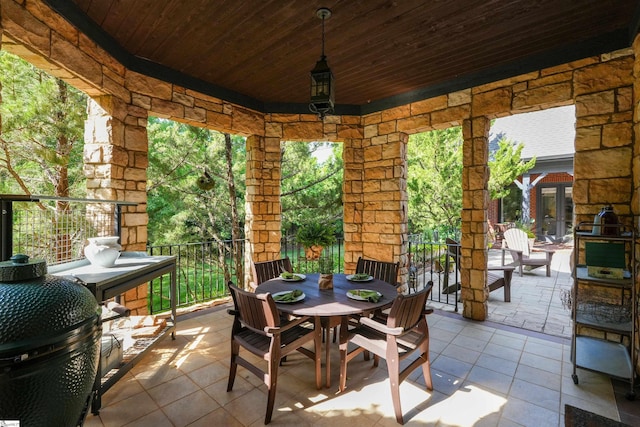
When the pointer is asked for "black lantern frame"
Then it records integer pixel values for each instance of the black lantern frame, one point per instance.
(322, 80)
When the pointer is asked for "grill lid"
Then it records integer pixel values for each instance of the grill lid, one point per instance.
(35, 306)
(20, 268)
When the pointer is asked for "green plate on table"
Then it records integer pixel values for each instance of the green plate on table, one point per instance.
(288, 297)
(364, 295)
(292, 277)
(359, 277)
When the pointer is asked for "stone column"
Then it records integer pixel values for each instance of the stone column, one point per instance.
(353, 201)
(263, 208)
(604, 139)
(475, 205)
(375, 200)
(115, 163)
(635, 201)
(635, 197)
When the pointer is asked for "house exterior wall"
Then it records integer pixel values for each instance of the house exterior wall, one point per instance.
(606, 161)
(494, 213)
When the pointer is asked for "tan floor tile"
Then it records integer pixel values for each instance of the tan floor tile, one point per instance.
(529, 414)
(124, 388)
(218, 390)
(218, 417)
(190, 408)
(172, 390)
(127, 410)
(256, 400)
(154, 419)
(209, 374)
(541, 396)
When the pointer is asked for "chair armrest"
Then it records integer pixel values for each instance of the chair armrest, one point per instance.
(292, 324)
(501, 268)
(549, 252)
(427, 310)
(513, 251)
(380, 327)
(232, 312)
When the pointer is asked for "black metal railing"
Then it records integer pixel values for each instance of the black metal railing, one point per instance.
(437, 263)
(55, 229)
(299, 262)
(203, 270)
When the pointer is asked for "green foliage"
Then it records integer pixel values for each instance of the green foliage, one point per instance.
(42, 131)
(527, 228)
(180, 209)
(506, 165)
(435, 178)
(434, 185)
(311, 188)
(315, 233)
(325, 265)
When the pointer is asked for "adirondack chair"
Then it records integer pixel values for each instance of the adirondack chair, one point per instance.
(517, 244)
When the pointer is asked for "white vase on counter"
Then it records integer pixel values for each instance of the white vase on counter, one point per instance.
(103, 251)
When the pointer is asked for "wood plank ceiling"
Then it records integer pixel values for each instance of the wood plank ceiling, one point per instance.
(383, 53)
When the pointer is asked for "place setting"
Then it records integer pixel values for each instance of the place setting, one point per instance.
(292, 277)
(288, 297)
(364, 295)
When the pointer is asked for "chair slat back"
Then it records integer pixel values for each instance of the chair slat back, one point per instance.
(408, 310)
(517, 239)
(385, 271)
(266, 270)
(256, 311)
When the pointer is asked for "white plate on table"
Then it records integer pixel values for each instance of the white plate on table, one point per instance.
(297, 277)
(353, 278)
(355, 294)
(276, 294)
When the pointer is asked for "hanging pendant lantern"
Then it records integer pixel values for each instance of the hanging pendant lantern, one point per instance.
(322, 80)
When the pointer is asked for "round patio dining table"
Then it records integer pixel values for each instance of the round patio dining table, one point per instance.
(327, 303)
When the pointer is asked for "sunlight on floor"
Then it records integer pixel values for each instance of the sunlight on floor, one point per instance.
(477, 404)
(192, 346)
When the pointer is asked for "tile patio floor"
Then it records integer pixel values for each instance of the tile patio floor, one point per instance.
(484, 373)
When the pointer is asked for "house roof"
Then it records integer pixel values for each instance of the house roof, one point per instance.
(383, 53)
(548, 135)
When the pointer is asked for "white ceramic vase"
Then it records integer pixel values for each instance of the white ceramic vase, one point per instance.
(103, 251)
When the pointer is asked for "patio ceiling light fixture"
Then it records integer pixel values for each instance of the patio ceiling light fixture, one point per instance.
(322, 81)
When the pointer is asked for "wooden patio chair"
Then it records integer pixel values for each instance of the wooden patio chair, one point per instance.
(385, 271)
(257, 327)
(517, 244)
(381, 270)
(453, 253)
(266, 270)
(405, 332)
(495, 280)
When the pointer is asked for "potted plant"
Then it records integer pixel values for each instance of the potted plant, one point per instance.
(325, 267)
(314, 237)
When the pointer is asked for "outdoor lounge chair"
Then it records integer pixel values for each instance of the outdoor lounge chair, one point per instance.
(517, 244)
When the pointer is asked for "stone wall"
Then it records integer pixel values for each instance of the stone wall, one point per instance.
(375, 200)
(635, 196)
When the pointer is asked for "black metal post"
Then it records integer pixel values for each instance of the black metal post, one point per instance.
(6, 231)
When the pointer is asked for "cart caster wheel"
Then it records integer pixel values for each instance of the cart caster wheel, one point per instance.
(631, 396)
(575, 378)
